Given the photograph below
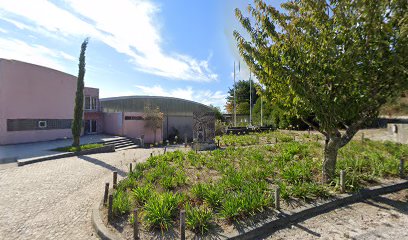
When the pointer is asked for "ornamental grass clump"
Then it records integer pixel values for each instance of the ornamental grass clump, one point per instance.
(160, 210)
(198, 219)
(121, 203)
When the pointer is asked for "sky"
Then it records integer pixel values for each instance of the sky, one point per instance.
(177, 48)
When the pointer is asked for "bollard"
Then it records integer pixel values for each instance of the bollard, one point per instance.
(276, 140)
(294, 138)
(151, 154)
(130, 168)
(401, 168)
(135, 225)
(115, 178)
(165, 149)
(182, 224)
(110, 211)
(277, 198)
(342, 181)
(218, 143)
(105, 195)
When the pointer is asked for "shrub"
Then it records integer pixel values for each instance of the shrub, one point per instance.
(121, 203)
(198, 218)
(160, 210)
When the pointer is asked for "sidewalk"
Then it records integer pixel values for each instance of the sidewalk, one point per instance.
(10, 153)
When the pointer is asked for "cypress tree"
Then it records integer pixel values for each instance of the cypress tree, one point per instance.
(79, 98)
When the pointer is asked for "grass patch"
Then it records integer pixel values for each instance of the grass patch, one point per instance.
(80, 148)
(238, 182)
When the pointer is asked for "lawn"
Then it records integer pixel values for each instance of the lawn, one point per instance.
(80, 148)
(238, 182)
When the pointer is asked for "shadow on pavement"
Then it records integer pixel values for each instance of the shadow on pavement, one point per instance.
(103, 164)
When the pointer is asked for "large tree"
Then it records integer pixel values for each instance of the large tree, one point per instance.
(76, 127)
(241, 96)
(337, 60)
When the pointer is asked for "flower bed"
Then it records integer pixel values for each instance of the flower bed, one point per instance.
(220, 188)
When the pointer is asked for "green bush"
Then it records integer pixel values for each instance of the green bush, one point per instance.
(198, 219)
(121, 203)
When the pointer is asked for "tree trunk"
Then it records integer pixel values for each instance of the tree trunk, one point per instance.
(331, 149)
(76, 141)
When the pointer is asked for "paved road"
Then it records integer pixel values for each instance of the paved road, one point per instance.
(384, 217)
(53, 199)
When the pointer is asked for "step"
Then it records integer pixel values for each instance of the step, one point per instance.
(123, 145)
(116, 139)
(128, 147)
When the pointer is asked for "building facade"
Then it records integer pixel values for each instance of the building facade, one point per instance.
(37, 104)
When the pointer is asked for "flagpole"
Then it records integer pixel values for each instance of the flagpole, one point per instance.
(250, 99)
(235, 110)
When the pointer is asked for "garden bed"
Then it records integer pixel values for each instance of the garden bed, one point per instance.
(225, 190)
(79, 148)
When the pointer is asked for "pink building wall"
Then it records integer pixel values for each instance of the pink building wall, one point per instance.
(29, 91)
(116, 124)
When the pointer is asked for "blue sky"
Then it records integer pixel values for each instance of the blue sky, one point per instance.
(178, 48)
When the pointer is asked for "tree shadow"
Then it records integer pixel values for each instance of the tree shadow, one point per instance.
(103, 164)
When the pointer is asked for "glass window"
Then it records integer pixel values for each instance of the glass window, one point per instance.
(87, 102)
(94, 103)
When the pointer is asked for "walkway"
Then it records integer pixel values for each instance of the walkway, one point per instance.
(384, 217)
(53, 199)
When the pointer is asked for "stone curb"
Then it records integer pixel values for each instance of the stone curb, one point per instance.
(103, 232)
(104, 149)
(284, 218)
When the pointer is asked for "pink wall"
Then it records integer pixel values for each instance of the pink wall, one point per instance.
(115, 123)
(112, 123)
(29, 91)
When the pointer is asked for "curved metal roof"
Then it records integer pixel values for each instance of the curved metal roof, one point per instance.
(168, 105)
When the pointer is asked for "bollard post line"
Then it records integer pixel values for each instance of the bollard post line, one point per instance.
(277, 198)
(182, 224)
(115, 179)
(105, 195)
(110, 208)
(342, 181)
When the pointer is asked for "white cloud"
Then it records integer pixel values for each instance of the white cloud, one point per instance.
(130, 27)
(206, 97)
(35, 54)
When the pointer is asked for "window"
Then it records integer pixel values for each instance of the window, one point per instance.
(42, 124)
(90, 126)
(87, 103)
(91, 103)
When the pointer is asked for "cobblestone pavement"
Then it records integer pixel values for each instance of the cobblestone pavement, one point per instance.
(53, 199)
(384, 217)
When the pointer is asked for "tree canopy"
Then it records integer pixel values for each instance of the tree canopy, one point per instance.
(242, 97)
(338, 61)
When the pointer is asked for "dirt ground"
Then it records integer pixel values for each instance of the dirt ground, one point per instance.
(384, 217)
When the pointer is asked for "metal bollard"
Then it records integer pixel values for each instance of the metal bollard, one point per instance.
(277, 198)
(130, 168)
(110, 209)
(115, 178)
(342, 181)
(105, 195)
(401, 168)
(135, 225)
(182, 224)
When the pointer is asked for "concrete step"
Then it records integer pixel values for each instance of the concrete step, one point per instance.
(119, 146)
(128, 147)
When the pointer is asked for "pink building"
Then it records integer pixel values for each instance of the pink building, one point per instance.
(37, 104)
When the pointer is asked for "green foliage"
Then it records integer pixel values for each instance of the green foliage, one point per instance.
(76, 127)
(198, 219)
(316, 57)
(161, 209)
(242, 97)
(121, 202)
(79, 148)
(238, 182)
